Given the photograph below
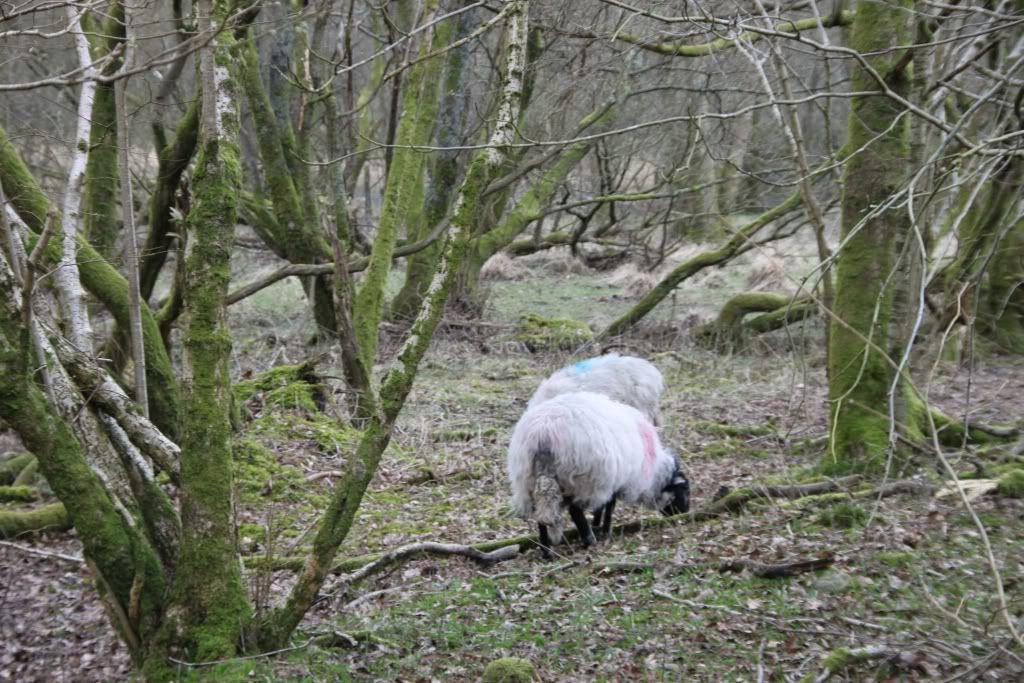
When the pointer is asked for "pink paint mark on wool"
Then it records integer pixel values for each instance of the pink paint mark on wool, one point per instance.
(648, 435)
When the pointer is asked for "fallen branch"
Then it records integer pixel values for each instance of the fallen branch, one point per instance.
(775, 571)
(405, 552)
(18, 494)
(42, 553)
(51, 517)
(732, 502)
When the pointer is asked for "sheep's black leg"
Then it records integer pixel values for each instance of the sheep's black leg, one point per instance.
(579, 518)
(597, 520)
(545, 541)
(606, 524)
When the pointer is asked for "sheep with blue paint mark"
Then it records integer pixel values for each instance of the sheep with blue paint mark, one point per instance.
(626, 379)
(585, 451)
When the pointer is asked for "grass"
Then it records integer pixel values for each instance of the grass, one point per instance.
(903, 565)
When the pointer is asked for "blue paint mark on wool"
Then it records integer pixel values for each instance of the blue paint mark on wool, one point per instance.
(583, 366)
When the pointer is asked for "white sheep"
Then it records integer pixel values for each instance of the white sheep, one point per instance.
(625, 379)
(584, 450)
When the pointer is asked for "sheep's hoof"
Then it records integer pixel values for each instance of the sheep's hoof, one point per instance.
(589, 541)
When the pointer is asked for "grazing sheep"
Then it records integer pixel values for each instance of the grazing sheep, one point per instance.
(625, 379)
(584, 450)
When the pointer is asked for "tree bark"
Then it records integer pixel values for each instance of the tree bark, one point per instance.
(208, 609)
(865, 392)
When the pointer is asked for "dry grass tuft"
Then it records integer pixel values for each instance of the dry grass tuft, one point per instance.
(501, 266)
(767, 273)
(632, 280)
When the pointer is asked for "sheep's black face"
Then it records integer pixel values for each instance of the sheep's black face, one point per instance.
(677, 495)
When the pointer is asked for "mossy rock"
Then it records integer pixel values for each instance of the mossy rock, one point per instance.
(1011, 484)
(843, 516)
(539, 333)
(508, 670)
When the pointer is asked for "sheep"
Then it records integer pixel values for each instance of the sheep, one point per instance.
(625, 379)
(584, 450)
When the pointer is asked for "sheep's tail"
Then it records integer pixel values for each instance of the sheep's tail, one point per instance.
(547, 494)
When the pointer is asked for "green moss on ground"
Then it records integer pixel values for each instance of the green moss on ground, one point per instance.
(1011, 484)
(843, 516)
(539, 333)
(508, 670)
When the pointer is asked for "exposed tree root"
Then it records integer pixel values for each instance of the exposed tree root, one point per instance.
(51, 518)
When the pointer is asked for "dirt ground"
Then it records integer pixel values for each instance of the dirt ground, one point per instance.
(911, 581)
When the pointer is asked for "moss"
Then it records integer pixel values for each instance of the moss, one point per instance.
(741, 431)
(463, 434)
(729, 448)
(508, 670)
(837, 659)
(1011, 484)
(13, 466)
(843, 516)
(17, 523)
(860, 374)
(403, 193)
(893, 558)
(539, 333)
(818, 500)
(18, 494)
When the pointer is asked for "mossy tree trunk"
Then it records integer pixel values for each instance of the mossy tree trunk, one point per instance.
(127, 567)
(983, 282)
(174, 158)
(442, 174)
(100, 279)
(208, 608)
(866, 395)
(275, 629)
(294, 231)
(403, 195)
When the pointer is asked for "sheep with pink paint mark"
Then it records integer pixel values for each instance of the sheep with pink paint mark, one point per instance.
(626, 379)
(585, 451)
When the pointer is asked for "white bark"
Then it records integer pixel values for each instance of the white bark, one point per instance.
(66, 276)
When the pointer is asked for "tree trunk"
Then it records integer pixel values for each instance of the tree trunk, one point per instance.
(208, 608)
(442, 174)
(866, 394)
(403, 194)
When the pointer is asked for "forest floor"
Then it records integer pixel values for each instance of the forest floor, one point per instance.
(910, 581)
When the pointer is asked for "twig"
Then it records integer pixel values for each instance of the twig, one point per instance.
(317, 476)
(42, 553)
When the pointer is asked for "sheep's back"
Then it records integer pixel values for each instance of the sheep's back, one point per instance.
(625, 379)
